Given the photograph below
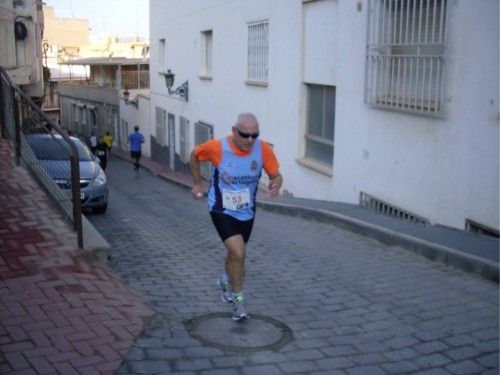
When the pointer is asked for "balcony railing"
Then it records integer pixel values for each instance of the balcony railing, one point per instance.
(21, 117)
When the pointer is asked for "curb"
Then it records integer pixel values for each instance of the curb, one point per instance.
(94, 243)
(433, 251)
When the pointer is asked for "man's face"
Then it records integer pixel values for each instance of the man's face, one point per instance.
(245, 127)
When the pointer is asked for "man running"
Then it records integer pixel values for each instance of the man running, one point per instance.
(136, 139)
(237, 163)
(108, 140)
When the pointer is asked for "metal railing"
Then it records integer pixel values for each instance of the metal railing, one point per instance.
(43, 148)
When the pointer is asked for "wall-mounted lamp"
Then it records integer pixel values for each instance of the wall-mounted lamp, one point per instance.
(134, 102)
(182, 90)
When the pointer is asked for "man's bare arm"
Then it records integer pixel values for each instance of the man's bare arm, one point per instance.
(197, 189)
(275, 184)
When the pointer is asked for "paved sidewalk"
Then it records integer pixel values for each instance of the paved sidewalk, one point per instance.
(61, 311)
(464, 250)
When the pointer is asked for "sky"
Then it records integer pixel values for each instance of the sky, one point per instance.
(121, 18)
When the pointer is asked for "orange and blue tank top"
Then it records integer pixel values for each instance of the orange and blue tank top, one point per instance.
(234, 182)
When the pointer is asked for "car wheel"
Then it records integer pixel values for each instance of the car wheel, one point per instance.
(100, 210)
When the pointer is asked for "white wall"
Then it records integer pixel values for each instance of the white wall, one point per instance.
(445, 169)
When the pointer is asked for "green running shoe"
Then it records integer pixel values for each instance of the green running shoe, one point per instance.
(239, 312)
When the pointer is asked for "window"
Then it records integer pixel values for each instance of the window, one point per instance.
(405, 55)
(320, 123)
(161, 54)
(183, 139)
(161, 126)
(206, 53)
(257, 51)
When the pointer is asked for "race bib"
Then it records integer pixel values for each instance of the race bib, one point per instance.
(235, 200)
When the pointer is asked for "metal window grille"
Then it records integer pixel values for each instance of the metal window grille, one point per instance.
(258, 50)
(405, 55)
(203, 132)
(320, 123)
(474, 226)
(382, 207)
(161, 126)
(183, 139)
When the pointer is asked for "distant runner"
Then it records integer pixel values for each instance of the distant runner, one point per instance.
(136, 139)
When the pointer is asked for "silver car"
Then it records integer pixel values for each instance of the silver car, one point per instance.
(54, 159)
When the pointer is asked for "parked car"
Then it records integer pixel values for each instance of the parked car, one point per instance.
(55, 160)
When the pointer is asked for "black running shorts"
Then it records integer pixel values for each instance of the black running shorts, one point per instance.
(135, 154)
(227, 226)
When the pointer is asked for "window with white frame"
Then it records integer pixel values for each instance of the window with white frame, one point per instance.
(320, 124)
(183, 139)
(161, 54)
(258, 33)
(206, 53)
(405, 55)
(161, 126)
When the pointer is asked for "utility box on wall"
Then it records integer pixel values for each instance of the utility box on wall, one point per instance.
(21, 33)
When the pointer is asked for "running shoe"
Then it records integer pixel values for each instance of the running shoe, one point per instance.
(239, 312)
(225, 289)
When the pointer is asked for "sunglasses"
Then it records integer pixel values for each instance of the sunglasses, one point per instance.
(247, 135)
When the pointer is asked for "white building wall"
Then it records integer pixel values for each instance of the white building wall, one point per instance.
(445, 169)
(218, 101)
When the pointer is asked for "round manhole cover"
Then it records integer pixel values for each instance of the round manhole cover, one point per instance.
(255, 334)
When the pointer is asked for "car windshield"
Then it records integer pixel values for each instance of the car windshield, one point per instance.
(48, 148)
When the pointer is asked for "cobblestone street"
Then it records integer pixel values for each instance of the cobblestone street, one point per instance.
(355, 306)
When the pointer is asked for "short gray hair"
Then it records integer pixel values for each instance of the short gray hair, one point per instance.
(246, 116)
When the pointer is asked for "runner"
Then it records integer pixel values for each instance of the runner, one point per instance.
(136, 139)
(237, 163)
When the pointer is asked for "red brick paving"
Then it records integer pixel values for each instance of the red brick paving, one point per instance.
(60, 310)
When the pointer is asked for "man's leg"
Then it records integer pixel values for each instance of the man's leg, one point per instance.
(235, 261)
(235, 268)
